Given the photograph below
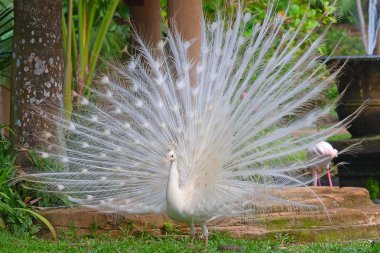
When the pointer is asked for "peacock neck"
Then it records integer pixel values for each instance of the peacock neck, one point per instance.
(173, 181)
(173, 193)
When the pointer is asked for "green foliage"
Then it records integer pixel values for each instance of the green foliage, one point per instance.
(170, 228)
(318, 12)
(87, 27)
(46, 199)
(348, 11)
(118, 33)
(6, 34)
(340, 42)
(17, 221)
(15, 212)
(284, 238)
(373, 187)
(332, 93)
(338, 137)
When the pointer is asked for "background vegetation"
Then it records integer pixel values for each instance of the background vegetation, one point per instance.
(16, 212)
(6, 33)
(88, 46)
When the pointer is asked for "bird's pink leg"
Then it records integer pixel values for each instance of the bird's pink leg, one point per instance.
(319, 178)
(328, 175)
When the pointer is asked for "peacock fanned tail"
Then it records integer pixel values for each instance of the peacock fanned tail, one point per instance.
(231, 116)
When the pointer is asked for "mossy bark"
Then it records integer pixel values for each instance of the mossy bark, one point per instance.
(37, 70)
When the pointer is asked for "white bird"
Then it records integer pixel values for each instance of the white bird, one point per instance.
(325, 151)
(179, 202)
(229, 130)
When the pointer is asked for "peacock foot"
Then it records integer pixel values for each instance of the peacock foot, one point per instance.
(192, 242)
(206, 243)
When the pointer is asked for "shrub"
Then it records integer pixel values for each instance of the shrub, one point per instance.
(16, 213)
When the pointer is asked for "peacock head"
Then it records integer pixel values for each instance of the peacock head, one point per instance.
(172, 156)
(334, 153)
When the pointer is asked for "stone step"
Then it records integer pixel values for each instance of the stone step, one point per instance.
(321, 234)
(351, 215)
(276, 221)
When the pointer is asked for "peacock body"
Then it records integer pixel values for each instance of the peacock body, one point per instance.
(196, 139)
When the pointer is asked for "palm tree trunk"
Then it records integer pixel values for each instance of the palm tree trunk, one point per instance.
(146, 19)
(37, 70)
(185, 17)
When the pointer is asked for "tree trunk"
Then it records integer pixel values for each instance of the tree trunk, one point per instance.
(146, 19)
(363, 31)
(185, 17)
(4, 109)
(37, 70)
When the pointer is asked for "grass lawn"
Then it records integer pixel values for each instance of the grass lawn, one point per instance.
(13, 244)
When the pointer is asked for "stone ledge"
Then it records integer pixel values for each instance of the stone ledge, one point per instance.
(352, 216)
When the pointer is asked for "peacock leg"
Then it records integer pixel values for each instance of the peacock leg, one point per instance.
(192, 234)
(329, 175)
(315, 177)
(205, 235)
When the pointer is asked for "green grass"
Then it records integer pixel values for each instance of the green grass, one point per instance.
(339, 137)
(9, 243)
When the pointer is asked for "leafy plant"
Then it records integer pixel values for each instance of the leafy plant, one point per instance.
(364, 13)
(46, 199)
(16, 213)
(6, 34)
(284, 238)
(318, 12)
(170, 228)
(70, 234)
(84, 36)
(347, 11)
(373, 187)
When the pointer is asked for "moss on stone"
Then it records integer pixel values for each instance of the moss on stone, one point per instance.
(310, 223)
(278, 223)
